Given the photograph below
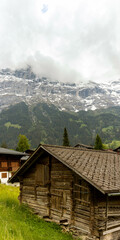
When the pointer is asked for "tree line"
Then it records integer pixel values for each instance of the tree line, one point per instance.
(98, 142)
(24, 143)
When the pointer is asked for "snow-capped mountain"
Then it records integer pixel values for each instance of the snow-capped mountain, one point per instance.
(24, 85)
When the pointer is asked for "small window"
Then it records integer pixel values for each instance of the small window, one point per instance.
(14, 169)
(82, 193)
(14, 164)
(42, 174)
(4, 175)
(3, 164)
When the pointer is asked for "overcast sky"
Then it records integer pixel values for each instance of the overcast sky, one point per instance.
(68, 40)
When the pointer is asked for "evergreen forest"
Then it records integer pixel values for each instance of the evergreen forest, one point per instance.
(43, 123)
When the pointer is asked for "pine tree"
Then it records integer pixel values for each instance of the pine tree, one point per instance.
(65, 138)
(98, 143)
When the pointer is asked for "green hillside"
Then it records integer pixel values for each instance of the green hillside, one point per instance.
(17, 222)
(45, 124)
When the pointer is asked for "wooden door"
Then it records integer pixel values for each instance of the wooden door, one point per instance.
(42, 188)
(58, 204)
(82, 205)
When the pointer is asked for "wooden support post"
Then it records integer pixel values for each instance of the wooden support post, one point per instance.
(35, 192)
(72, 202)
(106, 211)
(21, 189)
(93, 203)
(49, 186)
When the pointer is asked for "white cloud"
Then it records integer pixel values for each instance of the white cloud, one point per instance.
(66, 40)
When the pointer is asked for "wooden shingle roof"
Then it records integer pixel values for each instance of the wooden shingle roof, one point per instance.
(100, 168)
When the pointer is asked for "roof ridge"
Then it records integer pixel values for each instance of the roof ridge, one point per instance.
(78, 148)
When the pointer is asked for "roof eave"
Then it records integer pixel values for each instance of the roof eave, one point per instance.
(21, 170)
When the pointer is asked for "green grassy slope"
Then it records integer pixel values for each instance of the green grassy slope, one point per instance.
(18, 223)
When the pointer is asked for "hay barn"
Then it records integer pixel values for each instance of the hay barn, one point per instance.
(78, 188)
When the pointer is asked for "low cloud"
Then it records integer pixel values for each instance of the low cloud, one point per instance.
(46, 66)
(69, 41)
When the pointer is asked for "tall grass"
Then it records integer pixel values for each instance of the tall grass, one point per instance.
(18, 223)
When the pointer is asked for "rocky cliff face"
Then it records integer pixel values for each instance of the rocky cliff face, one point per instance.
(24, 85)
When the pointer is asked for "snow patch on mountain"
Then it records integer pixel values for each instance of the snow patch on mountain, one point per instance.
(24, 85)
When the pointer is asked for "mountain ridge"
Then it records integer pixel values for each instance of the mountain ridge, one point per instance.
(24, 85)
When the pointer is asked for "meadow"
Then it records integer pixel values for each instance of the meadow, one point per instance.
(17, 222)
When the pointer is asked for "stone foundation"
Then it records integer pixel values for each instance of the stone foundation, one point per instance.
(115, 235)
(108, 235)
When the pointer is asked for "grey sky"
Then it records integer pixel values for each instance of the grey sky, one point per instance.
(65, 40)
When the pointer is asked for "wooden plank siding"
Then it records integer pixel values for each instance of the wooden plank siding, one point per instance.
(61, 195)
(73, 186)
(82, 200)
(53, 190)
(61, 185)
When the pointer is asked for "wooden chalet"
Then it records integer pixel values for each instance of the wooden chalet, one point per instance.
(79, 188)
(80, 145)
(10, 161)
(117, 150)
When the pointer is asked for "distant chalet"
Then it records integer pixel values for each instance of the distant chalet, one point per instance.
(10, 161)
(80, 145)
(117, 150)
(76, 187)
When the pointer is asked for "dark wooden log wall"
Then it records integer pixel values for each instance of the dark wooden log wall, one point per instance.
(61, 188)
(54, 191)
(61, 195)
(106, 212)
(34, 193)
(82, 204)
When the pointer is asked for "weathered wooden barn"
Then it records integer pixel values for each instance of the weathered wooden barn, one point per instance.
(10, 161)
(76, 187)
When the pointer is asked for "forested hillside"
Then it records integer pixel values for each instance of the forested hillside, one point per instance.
(45, 124)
